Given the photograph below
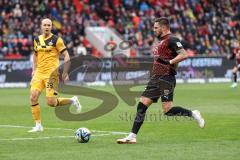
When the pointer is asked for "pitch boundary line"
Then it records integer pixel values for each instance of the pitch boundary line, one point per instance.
(48, 137)
(67, 129)
(103, 133)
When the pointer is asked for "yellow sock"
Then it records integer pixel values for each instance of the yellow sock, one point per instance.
(63, 101)
(36, 113)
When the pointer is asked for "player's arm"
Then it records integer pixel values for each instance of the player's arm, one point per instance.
(66, 65)
(63, 51)
(34, 63)
(182, 54)
(34, 58)
(176, 46)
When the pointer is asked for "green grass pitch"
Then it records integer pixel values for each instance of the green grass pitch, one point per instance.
(159, 138)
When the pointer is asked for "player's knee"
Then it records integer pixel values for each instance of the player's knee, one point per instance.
(34, 98)
(165, 109)
(166, 106)
(51, 102)
(146, 101)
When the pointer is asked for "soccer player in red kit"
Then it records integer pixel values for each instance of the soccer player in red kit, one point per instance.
(236, 68)
(168, 52)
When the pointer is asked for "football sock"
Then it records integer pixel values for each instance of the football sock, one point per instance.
(38, 124)
(132, 135)
(36, 113)
(234, 77)
(140, 116)
(63, 101)
(179, 111)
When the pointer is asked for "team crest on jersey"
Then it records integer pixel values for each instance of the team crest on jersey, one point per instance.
(50, 43)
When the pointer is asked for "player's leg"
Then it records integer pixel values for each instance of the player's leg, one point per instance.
(170, 110)
(167, 100)
(151, 95)
(36, 88)
(142, 107)
(234, 77)
(60, 101)
(54, 101)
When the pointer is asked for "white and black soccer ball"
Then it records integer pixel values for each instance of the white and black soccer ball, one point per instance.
(82, 135)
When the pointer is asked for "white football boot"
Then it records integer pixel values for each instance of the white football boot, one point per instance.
(197, 116)
(130, 139)
(234, 85)
(37, 128)
(76, 104)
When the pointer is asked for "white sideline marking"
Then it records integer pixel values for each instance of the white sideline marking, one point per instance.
(42, 138)
(67, 129)
(104, 133)
(32, 138)
(14, 126)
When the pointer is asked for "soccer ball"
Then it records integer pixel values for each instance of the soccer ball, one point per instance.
(82, 135)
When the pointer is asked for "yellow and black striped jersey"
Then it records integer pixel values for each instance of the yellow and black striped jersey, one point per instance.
(48, 51)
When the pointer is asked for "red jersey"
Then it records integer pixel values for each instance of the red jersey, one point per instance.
(166, 48)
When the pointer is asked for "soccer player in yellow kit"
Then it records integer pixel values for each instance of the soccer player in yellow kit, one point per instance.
(47, 50)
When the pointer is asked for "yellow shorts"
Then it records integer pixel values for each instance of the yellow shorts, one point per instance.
(39, 82)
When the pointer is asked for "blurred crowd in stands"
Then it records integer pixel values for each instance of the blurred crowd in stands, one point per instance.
(206, 27)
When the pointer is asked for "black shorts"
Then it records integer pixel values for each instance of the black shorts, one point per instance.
(160, 86)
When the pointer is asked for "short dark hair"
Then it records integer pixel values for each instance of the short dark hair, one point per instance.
(163, 21)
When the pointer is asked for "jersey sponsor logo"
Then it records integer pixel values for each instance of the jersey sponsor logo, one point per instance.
(50, 43)
(44, 50)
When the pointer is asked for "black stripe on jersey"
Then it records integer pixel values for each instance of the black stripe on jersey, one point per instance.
(37, 40)
(51, 41)
(63, 50)
(35, 104)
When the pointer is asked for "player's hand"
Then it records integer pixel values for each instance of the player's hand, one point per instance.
(163, 61)
(65, 77)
